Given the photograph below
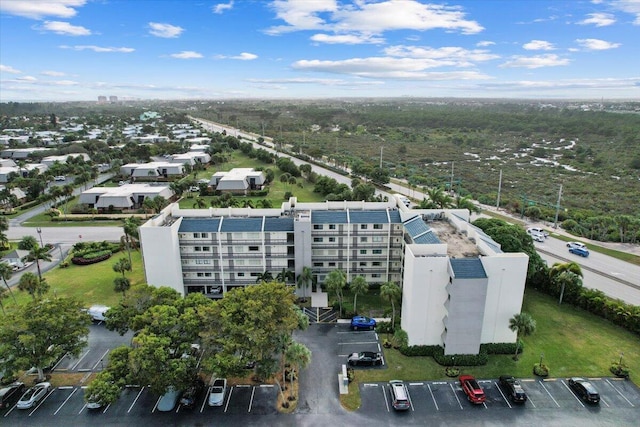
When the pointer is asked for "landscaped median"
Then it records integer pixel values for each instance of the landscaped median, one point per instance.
(569, 341)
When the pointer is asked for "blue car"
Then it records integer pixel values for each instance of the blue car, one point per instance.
(362, 322)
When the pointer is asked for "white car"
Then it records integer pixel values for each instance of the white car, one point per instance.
(538, 237)
(576, 245)
(60, 178)
(34, 395)
(537, 231)
(218, 389)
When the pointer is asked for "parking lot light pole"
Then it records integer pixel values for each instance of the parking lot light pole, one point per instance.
(541, 356)
(621, 355)
(39, 230)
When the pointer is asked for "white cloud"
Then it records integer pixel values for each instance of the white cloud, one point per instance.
(222, 7)
(548, 60)
(323, 82)
(64, 83)
(369, 18)
(166, 31)
(26, 79)
(346, 39)
(99, 49)
(449, 55)
(244, 56)
(52, 73)
(596, 44)
(598, 19)
(186, 54)
(538, 45)
(9, 69)
(485, 43)
(39, 9)
(65, 28)
(386, 67)
(628, 6)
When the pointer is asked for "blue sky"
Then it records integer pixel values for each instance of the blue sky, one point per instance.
(67, 50)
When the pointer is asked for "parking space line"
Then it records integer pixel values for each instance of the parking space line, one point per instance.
(456, 395)
(105, 409)
(156, 405)
(253, 391)
(545, 389)
(572, 394)
(100, 361)
(618, 391)
(82, 409)
(135, 400)
(42, 401)
(410, 401)
(65, 401)
(206, 397)
(59, 362)
(384, 394)
(502, 394)
(228, 399)
(433, 397)
(79, 360)
(358, 343)
(531, 401)
(604, 401)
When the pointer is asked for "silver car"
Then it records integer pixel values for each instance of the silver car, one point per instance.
(218, 389)
(34, 395)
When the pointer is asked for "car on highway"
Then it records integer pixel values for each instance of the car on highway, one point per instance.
(584, 389)
(216, 394)
(579, 251)
(537, 231)
(472, 389)
(365, 358)
(192, 393)
(10, 393)
(362, 322)
(538, 237)
(34, 395)
(513, 389)
(576, 245)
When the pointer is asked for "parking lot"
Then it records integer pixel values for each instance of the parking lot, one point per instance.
(428, 397)
(349, 341)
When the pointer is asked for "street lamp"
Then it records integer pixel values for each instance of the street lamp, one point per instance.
(541, 356)
(39, 230)
(621, 355)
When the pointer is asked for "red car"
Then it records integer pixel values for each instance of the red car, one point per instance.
(472, 389)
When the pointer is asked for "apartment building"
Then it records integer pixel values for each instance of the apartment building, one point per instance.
(459, 288)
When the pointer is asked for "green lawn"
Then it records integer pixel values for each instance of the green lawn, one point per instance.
(91, 284)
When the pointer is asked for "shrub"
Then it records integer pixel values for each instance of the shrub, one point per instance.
(419, 350)
(541, 370)
(501, 348)
(619, 370)
(461, 359)
(384, 328)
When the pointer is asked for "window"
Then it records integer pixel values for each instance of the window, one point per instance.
(317, 239)
(378, 239)
(197, 248)
(203, 261)
(363, 251)
(240, 274)
(377, 226)
(204, 235)
(363, 264)
(332, 239)
(200, 274)
(196, 235)
(206, 249)
(377, 251)
(317, 226)
(363, 239)
(207, 274)
(332, 264)
(363, 226)
(318, 264)
(376, 275)
(254, 248)
(332, 226)
(376, 264)
(256, 274)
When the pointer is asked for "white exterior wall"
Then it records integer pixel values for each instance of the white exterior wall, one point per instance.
(424, 296)
(507, 274)
(161, 253)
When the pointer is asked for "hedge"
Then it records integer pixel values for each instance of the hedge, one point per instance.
(92, 260)
(438, 355)
(501, 348)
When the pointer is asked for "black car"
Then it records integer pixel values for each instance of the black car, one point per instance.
(365, 358)
(584, 389)
(10, 394)
(191, 394)
(513, 389)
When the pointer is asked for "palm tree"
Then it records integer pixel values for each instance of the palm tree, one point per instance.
(6, 271)
(358, 286)
(131, 232)
(299, 356)
(391, 292)
(335, 282)
(121, 284)
(3, 295)
(67, 192)
(265, 277)
(565, 273)
(285, 275)
(523, 325)
(121, 266)
(305, 279)
(34, 286)
(199, 203)
(36, 254)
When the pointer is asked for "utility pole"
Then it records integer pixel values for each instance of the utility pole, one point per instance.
(499, 189)
(451, 184)
(381, 147)
(555, 221)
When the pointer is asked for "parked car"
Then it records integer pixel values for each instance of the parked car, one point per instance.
(579, 251)
(169, 400)
(584, 389)
(218, 390)
(98, 312)
(472, 389)
(513, 389)
(10, 394)
(95, 402)
(365, 358)
(576, 245)
(60, 178)
(192, 393)
(34, 395)
(399, 395)
(362, 322)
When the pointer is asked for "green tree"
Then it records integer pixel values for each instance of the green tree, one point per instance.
(104, 388)
(6, 271)
(121, 266)
(299, 357)
(305, 279)
(264, 277)
(523, 325)
(3, 295)
(39, 332)
(33, 285)
(285, 275)
(566, 275)
(358, 286)
(130, 227)
(335, 282)
(38, 254)
(121, 284)
(391, 292)
(27, 243)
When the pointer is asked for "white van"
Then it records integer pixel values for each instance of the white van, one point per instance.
(98, 312)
